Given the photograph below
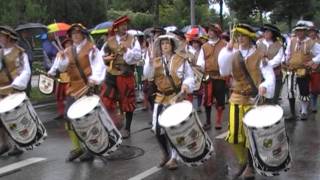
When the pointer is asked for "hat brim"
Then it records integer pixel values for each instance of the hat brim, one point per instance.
(245, 32)
(171, 37)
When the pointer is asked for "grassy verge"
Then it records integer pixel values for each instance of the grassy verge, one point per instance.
(36, 95)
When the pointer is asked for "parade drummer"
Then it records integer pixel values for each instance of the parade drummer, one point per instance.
(121, 52)
(214, 85)
(172, 74)
(301, 53)
(193, 50)
(14, 74)
(85, 67)
(272, 45)
(313, 34)
(236, 61)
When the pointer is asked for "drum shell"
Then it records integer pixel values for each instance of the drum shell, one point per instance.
(190, 141)
(97, 131)
(23, 125)
(269, 148)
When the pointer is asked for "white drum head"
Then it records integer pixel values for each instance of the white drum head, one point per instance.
(263, 116)
(12, 101)
(83, 106)
(175, 114)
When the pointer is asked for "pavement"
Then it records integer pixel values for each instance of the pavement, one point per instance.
(47, 162)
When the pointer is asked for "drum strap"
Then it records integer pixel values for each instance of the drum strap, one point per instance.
(248, 77)
(169, 76)
(83, 76)
(4, 67)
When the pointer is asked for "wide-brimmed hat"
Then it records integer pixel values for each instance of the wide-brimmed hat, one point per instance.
(79, 27)
(178, 33)
(215, 27)
(302, 25)
(160, 30)
(7, 30)
(166, 36)
(275, 30)
(245, 29)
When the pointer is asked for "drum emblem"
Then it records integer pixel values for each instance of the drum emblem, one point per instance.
(24, 132)
(83, 134)
(13, 126)
(181, 140)
(267, 143)
(95, 131)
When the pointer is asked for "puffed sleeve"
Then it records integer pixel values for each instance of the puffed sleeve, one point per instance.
(22, 80)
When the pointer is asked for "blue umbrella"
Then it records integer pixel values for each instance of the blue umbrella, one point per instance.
(101, 28)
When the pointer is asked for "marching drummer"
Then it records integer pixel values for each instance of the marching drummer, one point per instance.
(172, 75)
(246, 64)
(214, 85)
(84, 65)
(302, 53)
(14, 75)
(121, 53)
(272, 45)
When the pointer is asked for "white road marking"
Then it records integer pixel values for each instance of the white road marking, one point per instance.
(222, 136)
(19, 165)
(156, 169)
(145, 173)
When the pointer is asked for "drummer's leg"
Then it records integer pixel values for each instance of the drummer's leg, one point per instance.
(303, 83)
(4, 147)
(159, 135)
(219, 93)
(208, 101)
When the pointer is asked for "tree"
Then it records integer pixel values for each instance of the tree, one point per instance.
(288, 11)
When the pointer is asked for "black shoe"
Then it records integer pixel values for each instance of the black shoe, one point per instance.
(15, 152)
(74, 154)
(4, 149)
(125, 134)
(206, 127)
(87, 156)
(304, 117)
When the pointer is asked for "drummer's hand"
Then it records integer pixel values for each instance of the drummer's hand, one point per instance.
(92, 83)
(230, 45)
(109, 58)
(184, 89)
(309, 64)
(61, 55)
(262, 90)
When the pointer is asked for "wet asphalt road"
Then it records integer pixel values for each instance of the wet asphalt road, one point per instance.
(304, 143)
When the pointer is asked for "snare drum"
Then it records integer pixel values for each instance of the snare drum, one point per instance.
(94, 126)
(185, 133)
(21, 121)
(268, 140)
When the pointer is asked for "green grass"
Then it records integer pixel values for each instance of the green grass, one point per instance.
(36, 95)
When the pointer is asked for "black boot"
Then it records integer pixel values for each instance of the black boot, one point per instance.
(207, 125)
(292, 105)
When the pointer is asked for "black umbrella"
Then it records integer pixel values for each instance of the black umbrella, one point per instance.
(34, 28)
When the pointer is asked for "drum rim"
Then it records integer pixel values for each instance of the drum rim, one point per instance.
(265, 126)
(87, 113)
(181, 121)
(16, 106)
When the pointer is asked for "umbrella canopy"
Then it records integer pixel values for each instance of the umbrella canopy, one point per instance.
(101, 28)
(59, 29)
(187, 28)
(135, 32)
(32, 26)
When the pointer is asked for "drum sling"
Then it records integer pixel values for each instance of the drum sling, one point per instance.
(170, 77)
(83, 76)
(254, 90)
(4, 67)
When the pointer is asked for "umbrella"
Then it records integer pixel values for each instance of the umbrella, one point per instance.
(135, 32)
(101, 28)
(170, 28)
(33, 28)
(187, 28)
(60, 29)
